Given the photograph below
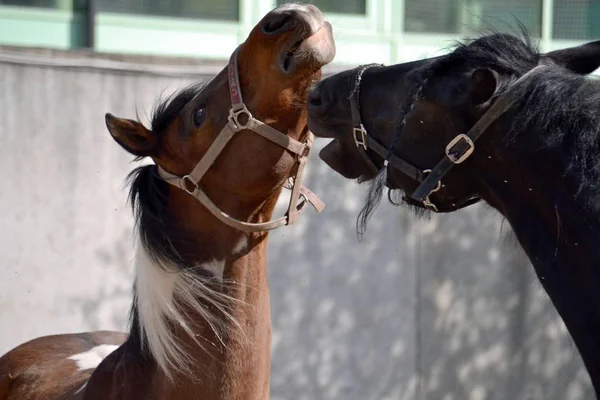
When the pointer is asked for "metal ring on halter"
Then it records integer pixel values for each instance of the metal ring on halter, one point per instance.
(439, 184)
(426, 201)
(360, 141)
(359, 132)
(184, 184)
(390, 198)
(234, 116)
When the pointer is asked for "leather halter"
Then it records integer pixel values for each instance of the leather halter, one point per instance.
(457, 151)
(241, 119)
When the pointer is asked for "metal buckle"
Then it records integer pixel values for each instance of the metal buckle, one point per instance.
(186, 181)
(362, 141)
(426, 201)
(466, 154)
(234, 117)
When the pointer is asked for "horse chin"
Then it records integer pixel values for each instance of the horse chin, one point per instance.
(334, 156)
(320, 46)
(310, 53)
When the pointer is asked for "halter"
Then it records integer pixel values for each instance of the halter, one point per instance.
(241, 119)
(457, 150)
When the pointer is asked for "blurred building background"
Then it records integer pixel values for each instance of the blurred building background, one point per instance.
(387, 31)
(445, 308)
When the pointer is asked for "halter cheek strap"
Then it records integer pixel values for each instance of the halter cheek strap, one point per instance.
(463, 145)
(460, 148)
(240, 119)
(358, 129)
(366, 142)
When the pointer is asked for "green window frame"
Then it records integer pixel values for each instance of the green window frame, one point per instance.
(379, 34)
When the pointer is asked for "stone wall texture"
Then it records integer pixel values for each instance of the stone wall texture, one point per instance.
(445, 308)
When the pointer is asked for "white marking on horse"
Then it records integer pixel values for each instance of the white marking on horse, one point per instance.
(215, 267)
(241, 246)
(93, 357)
(165, 297)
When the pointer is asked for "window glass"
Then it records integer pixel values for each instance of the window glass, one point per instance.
(467, 16)
(204, 9)
(31, 3)
(337, 6)
(576, 19)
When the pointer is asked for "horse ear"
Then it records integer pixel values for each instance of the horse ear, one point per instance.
(484, 85)
(131, 135)
(582, 60)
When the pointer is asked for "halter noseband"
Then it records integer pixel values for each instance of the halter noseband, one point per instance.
(241, 119)
(457, 151)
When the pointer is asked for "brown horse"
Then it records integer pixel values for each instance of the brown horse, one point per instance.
(497, 121)
(200, 321)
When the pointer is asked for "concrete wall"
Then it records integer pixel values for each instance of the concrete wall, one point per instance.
(432, 309)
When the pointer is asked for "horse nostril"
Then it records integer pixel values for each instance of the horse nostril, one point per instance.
(276, 23)
(314, 97)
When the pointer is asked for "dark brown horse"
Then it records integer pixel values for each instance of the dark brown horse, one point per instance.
(200, 322)
(493, 120)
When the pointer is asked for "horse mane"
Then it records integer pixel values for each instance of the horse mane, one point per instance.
(563, 121)
(169, 287)
(148, 197)
(563, 109)
(166, 110)
(148, 192)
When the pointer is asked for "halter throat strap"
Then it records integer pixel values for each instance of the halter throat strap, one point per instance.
(240, 119)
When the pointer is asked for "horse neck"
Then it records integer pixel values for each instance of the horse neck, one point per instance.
(559, 231)
(224, 325)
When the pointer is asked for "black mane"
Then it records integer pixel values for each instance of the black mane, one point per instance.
(505, 53)
(563, 121)
(148, 191)
(563, 109)
(166, 110)
(148, 198)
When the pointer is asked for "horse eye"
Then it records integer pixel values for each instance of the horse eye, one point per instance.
(198, 117)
